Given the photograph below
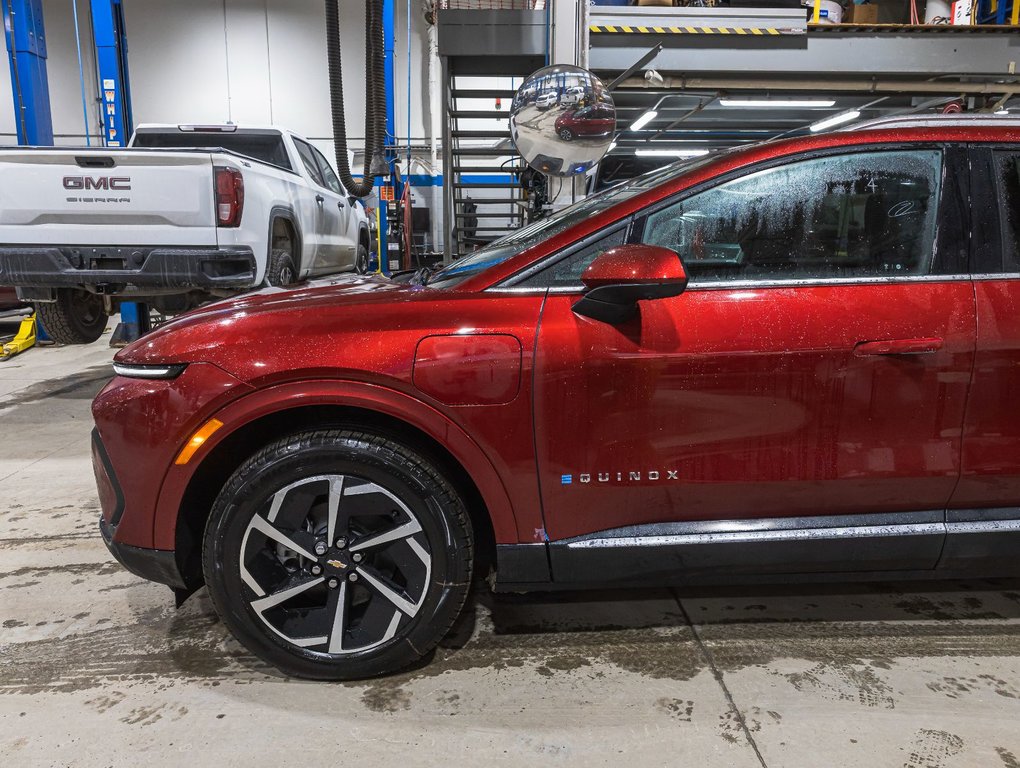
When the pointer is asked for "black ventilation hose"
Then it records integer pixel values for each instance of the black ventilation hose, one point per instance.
(375, 114)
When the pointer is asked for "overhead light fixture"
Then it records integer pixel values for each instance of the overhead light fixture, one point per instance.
(777, 103)
(644, 120)
(670, 152)
(829, 122)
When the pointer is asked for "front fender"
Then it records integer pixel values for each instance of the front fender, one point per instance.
(370, 397)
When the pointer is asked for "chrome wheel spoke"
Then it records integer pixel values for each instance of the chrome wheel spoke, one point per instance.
(336, 492)
(283, 595)
(379, 585)
(338, 605)
(394, 534)
(270, 531)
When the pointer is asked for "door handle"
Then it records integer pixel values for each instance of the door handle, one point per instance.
(340, 204)
(898, 347)
(320, 199)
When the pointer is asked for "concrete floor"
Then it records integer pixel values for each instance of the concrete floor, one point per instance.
(97, 668)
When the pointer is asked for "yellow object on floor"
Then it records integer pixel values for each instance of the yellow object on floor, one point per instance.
(24, 339)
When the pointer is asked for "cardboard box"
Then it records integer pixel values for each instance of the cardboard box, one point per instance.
(862, 14)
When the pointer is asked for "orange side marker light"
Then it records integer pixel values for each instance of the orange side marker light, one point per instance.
(197, 440)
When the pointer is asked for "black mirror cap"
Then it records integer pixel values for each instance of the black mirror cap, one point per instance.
(616, 304)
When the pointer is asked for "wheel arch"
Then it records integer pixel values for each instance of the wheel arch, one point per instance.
(282, 217)
(490, 511)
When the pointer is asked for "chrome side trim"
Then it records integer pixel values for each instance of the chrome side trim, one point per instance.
(738, 537)
(717, 285)
(984, 526)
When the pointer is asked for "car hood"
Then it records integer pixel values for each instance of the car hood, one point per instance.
(197, 336)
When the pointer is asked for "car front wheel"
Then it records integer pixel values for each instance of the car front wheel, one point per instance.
(566, 134)
(337, 554)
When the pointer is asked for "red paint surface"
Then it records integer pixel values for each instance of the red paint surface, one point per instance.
(625, 263)
(991, 458)
(755, 398)
(469, 369)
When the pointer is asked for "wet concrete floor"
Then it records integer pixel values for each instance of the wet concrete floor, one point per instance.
(98, 668)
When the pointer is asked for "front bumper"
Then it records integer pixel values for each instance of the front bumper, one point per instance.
(157, 565)
(113, 269)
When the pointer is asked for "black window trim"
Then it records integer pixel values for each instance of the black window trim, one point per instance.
(951, 159)
(989, 229)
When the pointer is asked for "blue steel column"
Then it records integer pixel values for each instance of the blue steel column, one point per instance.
(26, 53)
(110, 40)
(389, 37)
(111, 59)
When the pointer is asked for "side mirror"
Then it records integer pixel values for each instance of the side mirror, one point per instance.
(621, 277)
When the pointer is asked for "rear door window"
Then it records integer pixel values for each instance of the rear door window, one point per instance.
(1007, 172)
(327, 173)
(309, 162)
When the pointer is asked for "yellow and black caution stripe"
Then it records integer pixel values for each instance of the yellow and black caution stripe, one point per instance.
(632, 30)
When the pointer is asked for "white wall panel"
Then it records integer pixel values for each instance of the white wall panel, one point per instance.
(177, 57)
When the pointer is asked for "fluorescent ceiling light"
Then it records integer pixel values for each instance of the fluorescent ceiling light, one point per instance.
(670, 152)
(644, 120)
(829, 122)
(779, 103)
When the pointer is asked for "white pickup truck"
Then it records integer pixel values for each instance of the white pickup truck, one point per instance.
(183, 214)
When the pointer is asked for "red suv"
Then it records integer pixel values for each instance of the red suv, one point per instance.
(594, 120)
(794, 360)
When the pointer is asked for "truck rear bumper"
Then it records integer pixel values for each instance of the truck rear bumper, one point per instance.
(113, 269)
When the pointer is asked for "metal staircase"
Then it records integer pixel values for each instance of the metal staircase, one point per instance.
(481, 166)
(485, 54)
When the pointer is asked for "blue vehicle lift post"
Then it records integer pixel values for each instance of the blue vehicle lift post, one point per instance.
(110, 40)
(26, 53)
(389, 37)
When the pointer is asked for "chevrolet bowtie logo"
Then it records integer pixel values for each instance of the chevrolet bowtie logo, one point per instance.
(335, 564)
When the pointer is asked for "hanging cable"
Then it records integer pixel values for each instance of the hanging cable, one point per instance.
(375, 115)
(81, 74)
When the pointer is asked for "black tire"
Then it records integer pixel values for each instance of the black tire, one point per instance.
(384, 489)
(76, 317)
(281, 270)
(361, 260)
(566, 134)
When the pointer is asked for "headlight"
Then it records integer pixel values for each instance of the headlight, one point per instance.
(149, 371)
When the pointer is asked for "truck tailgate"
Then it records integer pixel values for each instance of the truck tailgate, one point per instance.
(106, 197)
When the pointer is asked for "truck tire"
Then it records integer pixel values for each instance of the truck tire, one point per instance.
(76, 317)
(361, 260)
(281, 271)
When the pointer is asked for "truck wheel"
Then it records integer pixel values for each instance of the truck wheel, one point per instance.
(76, 317)
(338, 555)
(361, 261)
(281, 269)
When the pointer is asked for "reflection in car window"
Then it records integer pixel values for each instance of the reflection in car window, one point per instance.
(1008, 172)
(308, 160)
(869, 214)
(567, 272)
(512, 244)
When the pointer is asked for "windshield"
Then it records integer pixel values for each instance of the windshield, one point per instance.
(522, 239)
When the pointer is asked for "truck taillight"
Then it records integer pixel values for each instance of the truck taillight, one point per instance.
(229, 196)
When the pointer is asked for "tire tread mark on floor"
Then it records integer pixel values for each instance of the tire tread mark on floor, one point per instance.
(719, 679)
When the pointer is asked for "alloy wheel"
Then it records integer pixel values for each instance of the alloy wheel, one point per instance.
(336, 564)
